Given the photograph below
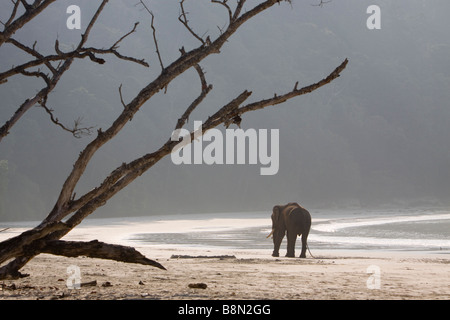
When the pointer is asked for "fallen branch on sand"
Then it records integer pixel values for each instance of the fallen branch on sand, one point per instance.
(179, 256)
(100, 250)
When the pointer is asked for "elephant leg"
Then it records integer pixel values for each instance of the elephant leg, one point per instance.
(276, 251)
(304, 243)
(277, 239)
(291, 238)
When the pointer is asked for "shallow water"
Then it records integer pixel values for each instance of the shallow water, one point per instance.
(392, 230)
(405, 230)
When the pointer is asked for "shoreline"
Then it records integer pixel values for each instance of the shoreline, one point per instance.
(219, 273)
(181, 230)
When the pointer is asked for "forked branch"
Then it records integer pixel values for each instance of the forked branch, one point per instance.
(184, 20)
(64, 59)
(224, 3)
(77, 130)
(154, 33)
(31, 11)
(205, 89)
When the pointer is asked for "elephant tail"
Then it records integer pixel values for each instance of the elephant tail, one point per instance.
(310, 251)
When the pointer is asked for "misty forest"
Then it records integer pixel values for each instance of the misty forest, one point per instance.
(375, 135)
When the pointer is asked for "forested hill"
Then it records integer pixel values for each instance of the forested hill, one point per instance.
(377, 136)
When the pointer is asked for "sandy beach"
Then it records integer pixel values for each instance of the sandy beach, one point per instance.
(225, 273)
(331, 275)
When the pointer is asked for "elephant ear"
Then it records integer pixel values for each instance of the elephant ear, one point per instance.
(276, 214)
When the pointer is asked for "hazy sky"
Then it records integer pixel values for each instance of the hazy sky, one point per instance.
(378, 135)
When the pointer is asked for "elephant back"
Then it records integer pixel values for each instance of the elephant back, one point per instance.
(301, 217)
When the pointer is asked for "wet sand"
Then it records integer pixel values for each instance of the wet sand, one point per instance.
(239, 275)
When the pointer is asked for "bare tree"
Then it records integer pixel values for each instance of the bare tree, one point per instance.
(50, 68)
(46, 237)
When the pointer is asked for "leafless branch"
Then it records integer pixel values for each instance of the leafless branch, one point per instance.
(4, 130)
(31, 12)
(80, 52)
(32, 51)
(85, 35)
(294, 93)
(37, 74)
(321, 3)
(183, 19)
(205, 90)
(90, 51)
(51, 84)
(238, 10)
(154, 33)
(156, 42)
(26, 5)
(77, 131)
(64, 60)
(116, 44)
(224, 3)
(13, 14)
(201, 74)
(121, 97)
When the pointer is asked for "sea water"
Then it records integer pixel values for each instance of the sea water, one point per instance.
(411, 230)
(406, 230)
(418, 230)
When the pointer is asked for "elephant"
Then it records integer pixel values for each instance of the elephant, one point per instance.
(291, 220)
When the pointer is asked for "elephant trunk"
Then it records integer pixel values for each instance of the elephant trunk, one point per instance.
(270, 234)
